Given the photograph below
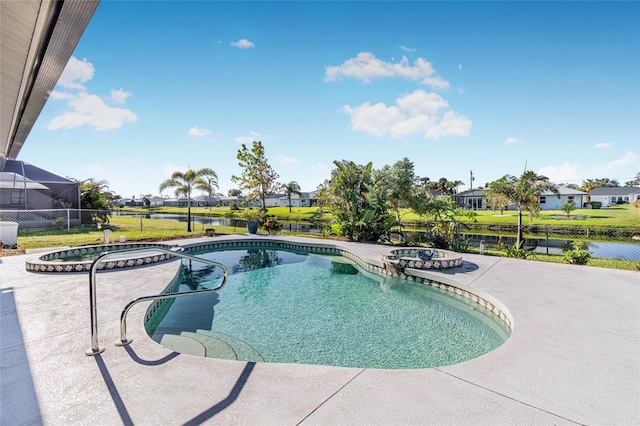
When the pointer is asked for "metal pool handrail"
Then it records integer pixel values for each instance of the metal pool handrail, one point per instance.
(95, 349)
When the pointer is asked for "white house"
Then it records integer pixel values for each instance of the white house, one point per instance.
(612, 195)
(551, 201)
(477, 199)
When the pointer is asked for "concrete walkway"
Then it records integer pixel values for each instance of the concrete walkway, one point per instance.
(573, 358)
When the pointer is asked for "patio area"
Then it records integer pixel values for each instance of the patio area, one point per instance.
(573, 357)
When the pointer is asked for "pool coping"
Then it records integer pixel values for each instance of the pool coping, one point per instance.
(573, 357)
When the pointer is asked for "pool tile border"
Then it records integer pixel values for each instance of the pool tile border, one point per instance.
(44, 263)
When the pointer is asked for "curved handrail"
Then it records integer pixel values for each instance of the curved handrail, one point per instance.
(95, 349)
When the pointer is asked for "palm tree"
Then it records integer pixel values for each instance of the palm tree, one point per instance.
(290, 189)
(207, 183)
(184, 183)
(524, 193)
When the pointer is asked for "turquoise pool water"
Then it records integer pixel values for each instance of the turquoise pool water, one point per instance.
(295, 307)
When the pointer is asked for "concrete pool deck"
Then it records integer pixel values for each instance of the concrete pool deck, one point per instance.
(573, 357)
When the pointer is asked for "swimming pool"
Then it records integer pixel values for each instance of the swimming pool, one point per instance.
(292, 306)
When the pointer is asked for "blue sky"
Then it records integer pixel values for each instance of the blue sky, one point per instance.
(155, 87)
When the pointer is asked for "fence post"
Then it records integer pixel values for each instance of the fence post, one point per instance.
(68, 220)
(547, 239)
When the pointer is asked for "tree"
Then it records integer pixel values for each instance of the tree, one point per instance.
(524, 193)
(146, 199)
(497, 201)
(207, 183)
(95, 195)
(323, 194)
(589, 184)
(443, 213)
(399, 181)
(258, 178)
(290, 189)
(569, 207)
(634, 182)
(234, 192)
(360, 209)
(184, 184)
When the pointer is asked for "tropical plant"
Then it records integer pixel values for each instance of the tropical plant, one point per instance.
(272, 225)
(577, 255)
(523, 192)
(589, 184)
(442, 214)
(634, 182)
(184, 183)
(252, 215)
(517, 251)
(290, 189)
(207, 183)
(360, 210)
(96, 196)
(399, 182)
(258, 178)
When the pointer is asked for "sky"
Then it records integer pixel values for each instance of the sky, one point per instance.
(487, 88)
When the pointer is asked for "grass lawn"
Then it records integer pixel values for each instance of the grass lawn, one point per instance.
(619, 216)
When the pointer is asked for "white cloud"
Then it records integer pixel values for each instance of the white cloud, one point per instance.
(118, 96)
(197, 132)
(90, 110)
(629, 158)
(407, 49)
(566, 172)
(287, 160)
(367, 67)
(460, 67)
(603, 145)
(415, 113)
(243, 43)
(87, 109)
(511, 140)
(75, 73)
(252, 136)
(319, 166)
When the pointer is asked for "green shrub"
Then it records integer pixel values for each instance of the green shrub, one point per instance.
(577, 255)
(596, 204)
(59, 223)
(272, 225)
(517, 252)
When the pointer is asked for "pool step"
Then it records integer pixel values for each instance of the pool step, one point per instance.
(243, 350)
(198, 345)
(214, 348)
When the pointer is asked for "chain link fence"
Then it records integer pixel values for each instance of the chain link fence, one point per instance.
(611, 243)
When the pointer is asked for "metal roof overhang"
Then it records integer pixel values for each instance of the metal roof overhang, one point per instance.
(37, 38)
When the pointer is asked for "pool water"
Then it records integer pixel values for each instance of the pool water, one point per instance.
(302, 308)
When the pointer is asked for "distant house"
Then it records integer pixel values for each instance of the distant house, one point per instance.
(612, 195)
(551, 201)
(156, 201)
(472, 200)
(477, 199)
(304, 199)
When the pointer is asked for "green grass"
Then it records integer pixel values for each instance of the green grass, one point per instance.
(619, 216)
(129, 227)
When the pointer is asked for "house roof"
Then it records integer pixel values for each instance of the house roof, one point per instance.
(37, 39)
(615, 190)
(34, 173)
(564, 190)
